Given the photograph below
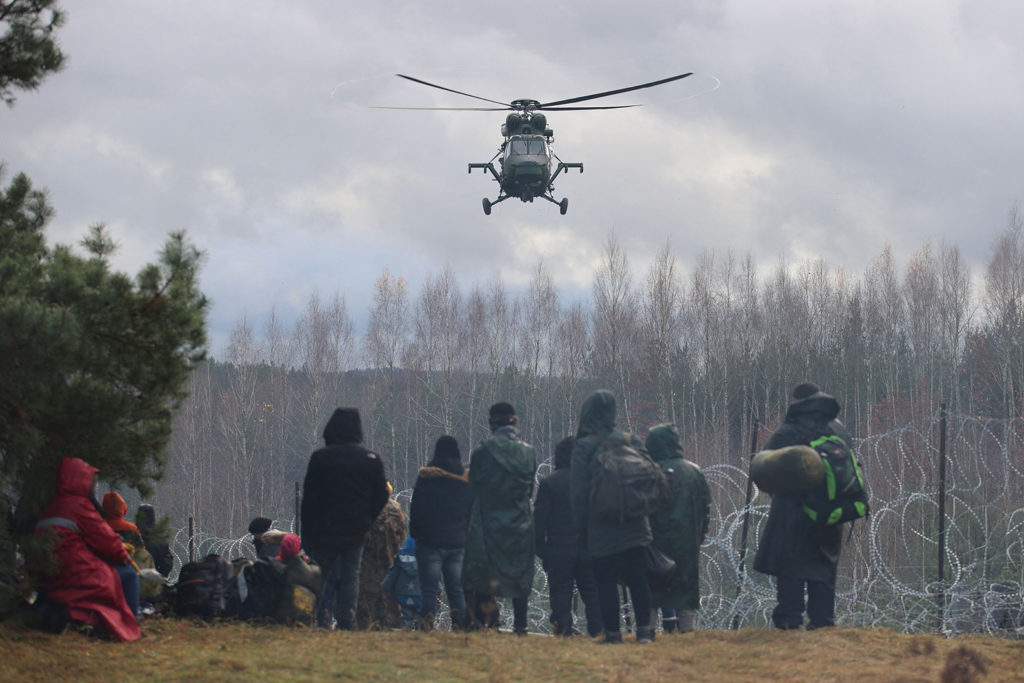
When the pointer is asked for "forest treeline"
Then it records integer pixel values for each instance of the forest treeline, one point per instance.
(712, 350)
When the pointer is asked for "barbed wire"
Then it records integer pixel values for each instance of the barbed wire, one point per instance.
(889, 567)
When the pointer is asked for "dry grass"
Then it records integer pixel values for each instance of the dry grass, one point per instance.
(185, 650)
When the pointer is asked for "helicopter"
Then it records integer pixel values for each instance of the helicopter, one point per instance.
(525, 156)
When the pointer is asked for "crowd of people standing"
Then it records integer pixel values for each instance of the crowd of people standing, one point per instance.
(474, 532)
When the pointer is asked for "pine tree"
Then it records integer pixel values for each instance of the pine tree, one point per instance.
(93, 363)
(28, 49)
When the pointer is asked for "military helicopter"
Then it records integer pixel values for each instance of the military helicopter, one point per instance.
(525, 157)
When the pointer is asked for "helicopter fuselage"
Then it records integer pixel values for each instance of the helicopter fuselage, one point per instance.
(525, 166)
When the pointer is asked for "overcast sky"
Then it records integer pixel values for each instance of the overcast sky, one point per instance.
(808, 129)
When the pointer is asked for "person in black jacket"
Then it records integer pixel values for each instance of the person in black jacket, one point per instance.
(794, 549)
(344, 491)
(156, 544)
(438, 518)
(563, 555)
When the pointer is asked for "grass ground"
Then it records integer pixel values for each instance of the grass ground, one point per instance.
(187, 650)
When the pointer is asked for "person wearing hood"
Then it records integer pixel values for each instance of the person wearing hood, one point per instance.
(438, 519)
(617, 547)
(114, 510)
(564, 557)
(90, 556)
(799, 553)
(499, 546)
(344, 491)
(163, 558)
(680, 527)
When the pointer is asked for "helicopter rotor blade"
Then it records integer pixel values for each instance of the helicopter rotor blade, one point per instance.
(457, 92)
(572, 100)
(616, 106)
(443, 108)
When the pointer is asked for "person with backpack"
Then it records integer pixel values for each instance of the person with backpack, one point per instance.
(564, 558)
(616, 538)
(679, 528)
(800, 552)
(499, 545)
(438, 521)
(343, 493)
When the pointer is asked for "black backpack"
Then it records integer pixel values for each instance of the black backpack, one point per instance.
(842, 497)
(265, 582)
(625, 482)
(203, 587)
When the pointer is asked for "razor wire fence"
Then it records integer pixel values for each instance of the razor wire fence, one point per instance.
(889, 573)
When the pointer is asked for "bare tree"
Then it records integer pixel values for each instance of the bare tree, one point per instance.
(616, 323)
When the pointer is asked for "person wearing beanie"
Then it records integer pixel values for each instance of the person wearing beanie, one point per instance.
(561, 551)
(265, 540)
(303, 583)
(438, 519)
(344, 491)
(800, 554)
(499, 546)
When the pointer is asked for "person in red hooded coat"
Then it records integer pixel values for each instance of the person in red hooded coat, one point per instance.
(87, 550)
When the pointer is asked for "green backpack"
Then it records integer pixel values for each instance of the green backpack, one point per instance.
(842, 497)
(625, 482)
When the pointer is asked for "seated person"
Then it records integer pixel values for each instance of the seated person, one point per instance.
(114, 510)
(93, 568)
(303, 582)
(265, 540)
(163, 558)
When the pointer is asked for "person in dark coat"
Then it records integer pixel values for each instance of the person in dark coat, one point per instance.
(679, 528)
(163, 558)
(92, 562)
(499, 557)
(617, 548)
(343, 493)
(796, 551)
(564, 558)
(438, 520)
(266, 541)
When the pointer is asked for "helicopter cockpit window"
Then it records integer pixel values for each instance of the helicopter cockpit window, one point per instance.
(535, 146)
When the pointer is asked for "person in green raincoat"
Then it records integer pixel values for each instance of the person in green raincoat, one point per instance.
(679, 528)
(500, 542)
(617, 547)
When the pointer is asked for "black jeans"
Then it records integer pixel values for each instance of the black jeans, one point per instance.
(821, 603)
(630, 565)
(565, 572)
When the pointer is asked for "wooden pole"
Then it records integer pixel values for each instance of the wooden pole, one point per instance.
(746, 523)
(941, 574)
(191, 539)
